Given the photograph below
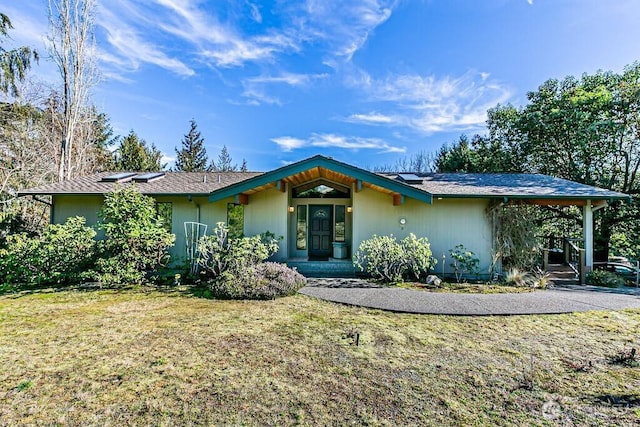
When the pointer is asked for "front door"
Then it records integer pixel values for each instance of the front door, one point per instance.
(320, 231)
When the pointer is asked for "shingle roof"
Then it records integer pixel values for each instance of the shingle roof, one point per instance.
(452, 185)
(511, 185)
(192, 183)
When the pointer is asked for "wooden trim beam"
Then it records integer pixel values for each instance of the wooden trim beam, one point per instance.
(281, 185)
(398, 199)
(553, 202)
(242, 199)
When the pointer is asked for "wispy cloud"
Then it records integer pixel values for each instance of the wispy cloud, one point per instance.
(129, 48)
(429, 103)
(371, 118)
(179, 35)
(330, 140)
(256, 89)
(344, 26)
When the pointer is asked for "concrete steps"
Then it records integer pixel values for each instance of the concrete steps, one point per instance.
(330, 268)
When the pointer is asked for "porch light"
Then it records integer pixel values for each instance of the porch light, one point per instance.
(349, 209)
(291, 209)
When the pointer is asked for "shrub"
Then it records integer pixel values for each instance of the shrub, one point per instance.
(464, 263)
(136, 242)
(604, 278)
(235, 267)
(386, 259)
(221, 256)
(266, 280)
(517, 277)
(60, 256)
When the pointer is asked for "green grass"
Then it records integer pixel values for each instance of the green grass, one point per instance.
(151, 358)
(467, 288)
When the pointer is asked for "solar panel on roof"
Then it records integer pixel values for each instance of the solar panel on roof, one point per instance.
(119, 177)
(148, 177)
(410, 178)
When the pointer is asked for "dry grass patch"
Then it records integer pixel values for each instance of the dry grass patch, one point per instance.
(150, 358)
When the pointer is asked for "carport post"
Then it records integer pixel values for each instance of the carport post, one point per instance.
(587, 232)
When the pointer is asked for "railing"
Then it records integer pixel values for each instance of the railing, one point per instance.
(572, 255)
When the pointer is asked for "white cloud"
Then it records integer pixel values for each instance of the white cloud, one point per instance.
(330, 140)
(344, 25)
(170, 33)
(371, 118)
(255, 88)
(430, 104)
(287, 143)
(130, 48)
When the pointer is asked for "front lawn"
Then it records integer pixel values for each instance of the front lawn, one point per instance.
(152, 358)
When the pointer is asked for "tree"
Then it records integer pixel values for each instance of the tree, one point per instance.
(225, 163)
(136, 243)
(192, 157)
(586, 130)
(73, 51)
(417, 163)
(13, 63)
(133, 154)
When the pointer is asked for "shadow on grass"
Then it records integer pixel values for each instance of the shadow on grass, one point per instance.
(618, 400)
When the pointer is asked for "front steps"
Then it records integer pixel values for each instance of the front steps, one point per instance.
(331, 268)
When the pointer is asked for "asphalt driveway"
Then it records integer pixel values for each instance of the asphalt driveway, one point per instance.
(558, 300)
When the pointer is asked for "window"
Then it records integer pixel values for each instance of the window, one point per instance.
(310, 191)
(301, 228)
(235, 220)
(340, 223)
(164, 212)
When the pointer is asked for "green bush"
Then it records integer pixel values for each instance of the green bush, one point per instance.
(604, 278)
(236, 267)
(221, 256)
(465, 263)
(60, 256)
(136, 243)
(266, 280)
(386, 259)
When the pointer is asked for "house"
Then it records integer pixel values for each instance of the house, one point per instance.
(324, 208)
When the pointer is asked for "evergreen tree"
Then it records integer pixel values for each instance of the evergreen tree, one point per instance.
(13, 63)
(133, 154)
(224, 162)
(192, 157)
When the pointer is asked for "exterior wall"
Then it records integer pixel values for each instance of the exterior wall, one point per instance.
(196, 210)
(267, 211)
(199, 210)
(446, 223)
(68, 206)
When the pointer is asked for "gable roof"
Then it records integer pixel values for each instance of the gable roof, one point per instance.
(318, 167)
(172, 183)
(507, 185)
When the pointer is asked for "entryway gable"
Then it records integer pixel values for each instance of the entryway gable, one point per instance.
(317, 168)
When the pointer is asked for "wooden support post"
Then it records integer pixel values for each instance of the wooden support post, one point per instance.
(587, 232)
(545, 259)
(583, 269)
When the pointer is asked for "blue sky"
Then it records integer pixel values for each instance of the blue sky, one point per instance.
(366, 81)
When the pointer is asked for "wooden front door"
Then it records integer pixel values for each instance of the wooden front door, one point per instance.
(320, 230)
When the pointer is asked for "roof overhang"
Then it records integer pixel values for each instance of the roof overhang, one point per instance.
(321, 168)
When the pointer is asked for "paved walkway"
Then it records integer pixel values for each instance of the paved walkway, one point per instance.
(558, 300)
